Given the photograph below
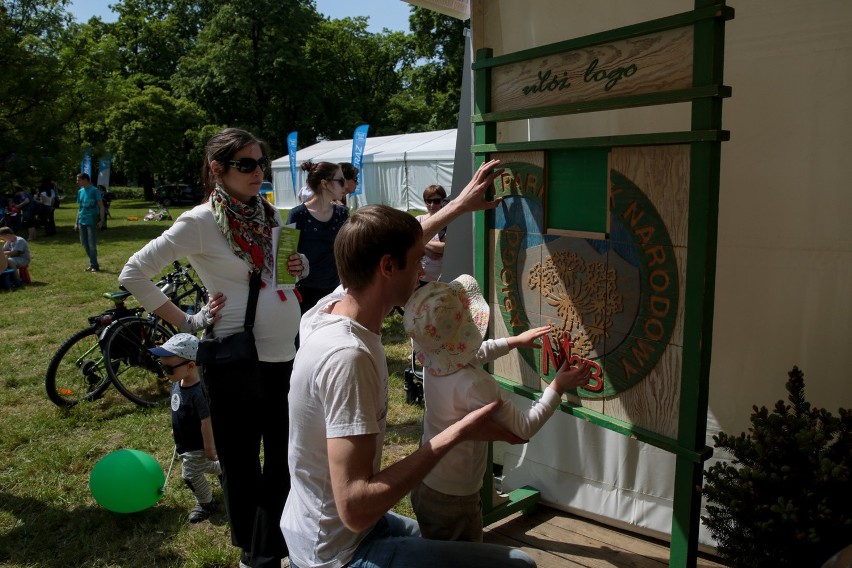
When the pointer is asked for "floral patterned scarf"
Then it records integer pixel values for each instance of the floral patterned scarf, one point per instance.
(246, 226)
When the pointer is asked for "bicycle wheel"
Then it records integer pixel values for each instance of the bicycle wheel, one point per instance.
(77, 371)
(133, 369)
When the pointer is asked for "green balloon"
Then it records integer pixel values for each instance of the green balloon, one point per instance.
(127, 481)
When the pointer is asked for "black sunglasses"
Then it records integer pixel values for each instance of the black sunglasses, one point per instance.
(435, 201)
(170, 369)
(248, 165)
(341, 181)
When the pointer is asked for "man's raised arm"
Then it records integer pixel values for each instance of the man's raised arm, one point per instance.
(471, 198)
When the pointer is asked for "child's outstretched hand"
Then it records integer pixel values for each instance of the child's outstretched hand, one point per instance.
(529, 338)
(573, 377)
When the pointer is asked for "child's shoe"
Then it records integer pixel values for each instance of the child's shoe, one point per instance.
(201, 512)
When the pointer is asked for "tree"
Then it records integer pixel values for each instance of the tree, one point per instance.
(358, 74)
(91, 57)
(436, 83)
(152, 87)
(784, 500)
(153, 134)
(35, 80)
(153, 35)
(247, 68)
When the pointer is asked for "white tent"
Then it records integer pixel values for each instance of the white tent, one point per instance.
(395, 169)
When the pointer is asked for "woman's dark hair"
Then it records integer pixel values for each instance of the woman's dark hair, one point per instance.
(350, 172)
(318, 172)
(434, 190)
(220, 148)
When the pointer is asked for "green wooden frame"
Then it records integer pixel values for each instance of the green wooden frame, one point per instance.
(705, 138)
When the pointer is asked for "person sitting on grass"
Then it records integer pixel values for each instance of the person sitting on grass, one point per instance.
(447, 322)
(191, 424)
(15, 249)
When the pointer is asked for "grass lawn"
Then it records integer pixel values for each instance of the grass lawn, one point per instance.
(47, 514)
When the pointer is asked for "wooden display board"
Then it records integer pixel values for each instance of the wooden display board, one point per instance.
(611, 240)
(612, 297)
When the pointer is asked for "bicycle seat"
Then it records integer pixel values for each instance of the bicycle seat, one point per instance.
(117, 296)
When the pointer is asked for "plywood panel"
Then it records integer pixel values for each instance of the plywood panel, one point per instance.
(514, 366)
(653, 402)
(652, 63)
(523, 187)
(563, 540)
(662, 174)
(618, 298)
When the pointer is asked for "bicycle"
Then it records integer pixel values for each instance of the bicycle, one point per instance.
(114, 348)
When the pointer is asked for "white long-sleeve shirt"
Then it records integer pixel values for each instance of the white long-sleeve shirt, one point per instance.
(195, 236)
(451, 397)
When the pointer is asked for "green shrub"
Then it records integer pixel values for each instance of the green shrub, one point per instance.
(785, 500)
(121, 192)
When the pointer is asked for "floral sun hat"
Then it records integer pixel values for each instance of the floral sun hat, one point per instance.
(447, 321)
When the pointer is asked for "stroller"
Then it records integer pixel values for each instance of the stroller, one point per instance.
(413, 382)
(161, 214)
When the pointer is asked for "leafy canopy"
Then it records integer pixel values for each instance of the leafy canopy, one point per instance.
(150, 87)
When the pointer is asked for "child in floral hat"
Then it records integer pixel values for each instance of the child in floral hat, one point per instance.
(447, 321)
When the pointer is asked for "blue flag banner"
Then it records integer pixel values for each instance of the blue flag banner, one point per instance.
(291, 150)
(359, 140)
(86, 163)
(103, 170)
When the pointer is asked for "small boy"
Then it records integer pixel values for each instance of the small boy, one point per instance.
(15, 248)
(447, 322)
(191, 425)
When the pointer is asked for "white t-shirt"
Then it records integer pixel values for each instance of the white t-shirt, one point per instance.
(451, 397)
(46, 197)
(195, 236)
(20, 245)
(339, 388)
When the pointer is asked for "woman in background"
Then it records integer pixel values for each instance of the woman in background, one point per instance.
(350, 174)
(319, 220)
(433, 260)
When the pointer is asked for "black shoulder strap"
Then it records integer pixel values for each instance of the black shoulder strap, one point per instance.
(254, 290)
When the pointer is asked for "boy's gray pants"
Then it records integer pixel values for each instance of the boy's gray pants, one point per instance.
(194, 466)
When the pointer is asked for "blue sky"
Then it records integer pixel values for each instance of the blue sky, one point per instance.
(392, 14)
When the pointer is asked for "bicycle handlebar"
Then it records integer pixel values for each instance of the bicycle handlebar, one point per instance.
(170, 283)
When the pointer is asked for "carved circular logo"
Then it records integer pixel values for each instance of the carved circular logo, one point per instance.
(610, 301)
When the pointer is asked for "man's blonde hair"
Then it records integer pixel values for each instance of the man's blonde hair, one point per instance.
(372, 232)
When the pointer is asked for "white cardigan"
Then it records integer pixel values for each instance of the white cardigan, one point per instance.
(195, 236)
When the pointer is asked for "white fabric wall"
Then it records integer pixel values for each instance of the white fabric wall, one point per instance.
(784, 262)
(396, 168)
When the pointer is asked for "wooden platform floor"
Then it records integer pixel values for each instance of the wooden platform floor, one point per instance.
(558, 539)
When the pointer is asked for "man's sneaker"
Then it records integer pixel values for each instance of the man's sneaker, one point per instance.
(245, 560)
(201, 511)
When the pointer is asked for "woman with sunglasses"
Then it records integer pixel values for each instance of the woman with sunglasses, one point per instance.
(350, 174)
(319, 219)
(434, 197)
(225, 238)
